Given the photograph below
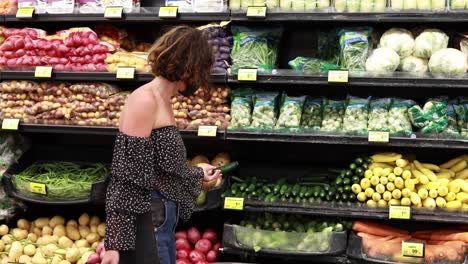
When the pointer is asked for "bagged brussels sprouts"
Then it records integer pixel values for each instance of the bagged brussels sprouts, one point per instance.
(333, 115)
(398, 39)
(378, 116)
(264, 112)
(428, 42)
(290, 112)
(398, 119)
(241, 108)
(312, 113)
(382, 60)
(448, 62)
(355, 46)
(356, 115)
(413, 64)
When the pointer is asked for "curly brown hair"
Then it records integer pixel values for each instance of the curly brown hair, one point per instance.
(183, 54)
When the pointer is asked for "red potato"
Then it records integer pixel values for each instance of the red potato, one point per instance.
(212, 256)
(203, 245)
(193, 235)
(183, 253)
(210, 234)
(182, 243)
(217, 246)
(181, 234)
(196, 256)
(182, 261)
(201, 262)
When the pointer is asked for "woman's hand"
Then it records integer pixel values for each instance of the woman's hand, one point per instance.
(210, 173)
(110, 257)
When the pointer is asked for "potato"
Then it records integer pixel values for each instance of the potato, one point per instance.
(59, 230)
(5, 260)
(84, 231)
(7, 248)
(7, 239)
(24, 259)
(54, 239)
(93, 228)
(38, 258)
(2, 246)
(41, 222)
(91, 238)
(64, 262)
(4, 230)
(56, 259)
(23, 224)
(46, 230)
(72, 223)
(29, 250)
(17, 234)
(37, 231)
(32, 237)
(49, 250)
(65, 242)
(72, 255)
(95, 245)
(61, 252)
(101, 229)
(57, 220)
(94, 221)
(85, 256)
(83, 250)
(73, 233)
(82, 243)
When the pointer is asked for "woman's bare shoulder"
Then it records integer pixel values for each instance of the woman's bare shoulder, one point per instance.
(138, 115)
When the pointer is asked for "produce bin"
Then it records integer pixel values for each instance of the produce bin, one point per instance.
(357, 255)
(281, 243)
(96, 194)
(213, 197)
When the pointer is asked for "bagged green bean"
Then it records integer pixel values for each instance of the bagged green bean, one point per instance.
(398, 119)
(355, 46)
(312, 113)
(255, 47)
(356, 115)
(312, 65)
(290, 112)
(333, 112)
(264, 112)
(241, 108)
(378, 116)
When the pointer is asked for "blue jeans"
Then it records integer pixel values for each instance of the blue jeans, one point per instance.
(165, 217)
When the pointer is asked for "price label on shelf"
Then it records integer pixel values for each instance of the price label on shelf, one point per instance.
(399, 212)
(247, 75)
(256, 11)
(43, 72)
(113, 12)
(412, 249)
(10, 124)
(338, 76)
(379, 136)
(38, 188)
(25, 12)
(124, 72)
(207, 131)
(168, 11)
(234, 203)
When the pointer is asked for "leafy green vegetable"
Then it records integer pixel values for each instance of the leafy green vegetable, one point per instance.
(354, 48)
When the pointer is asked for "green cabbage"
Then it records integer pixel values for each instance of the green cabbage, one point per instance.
(428, 42)
(448, 62)
(382, 60)
(399, 40)
(413, 64)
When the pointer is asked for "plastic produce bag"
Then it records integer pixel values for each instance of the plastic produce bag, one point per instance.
(290, 112)
(432, 118)
(333, 112)
(398, 119)
(312, 113)
(356, 115)
(458, 4)
(91, 6)
(241, 108)
(461, 109)
(312, 65)
(255, 47)
(452, 128)
(39, 5)
(354, 48)
(264, 112)
(378, 116)
(426, 5)
(60, 6)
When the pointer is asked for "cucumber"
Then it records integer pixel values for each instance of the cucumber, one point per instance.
(302, 192)
(296, 189)
(228, 168)
(266, 189)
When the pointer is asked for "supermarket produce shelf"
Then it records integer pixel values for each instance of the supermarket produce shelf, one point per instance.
(396, 79)
(353, 211)
(146, 14)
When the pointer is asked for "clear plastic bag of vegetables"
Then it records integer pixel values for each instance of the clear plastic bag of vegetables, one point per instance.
(333, 111)
(312, 113)
(398, 119)
(328, 46)
(452, 129)
(311, 65)
(264, 111)
(255, 47)
(378, 115)
(461, 109)
(355, 46)
(241, 108)
(356, 115)
(290, 112)
(433, 109)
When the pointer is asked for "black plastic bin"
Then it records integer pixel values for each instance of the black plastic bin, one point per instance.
(213, 197)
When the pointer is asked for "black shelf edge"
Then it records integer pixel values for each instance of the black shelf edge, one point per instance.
(424, 142)
(397, 79)
(356, 211)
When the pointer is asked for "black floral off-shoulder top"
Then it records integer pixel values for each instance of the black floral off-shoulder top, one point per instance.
(142, 165)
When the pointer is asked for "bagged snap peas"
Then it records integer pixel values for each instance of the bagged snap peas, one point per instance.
(378, 116)
(333, 112)
(264, 112)
(312, 113)
(290, 112)
(398, 119)
(356, 115)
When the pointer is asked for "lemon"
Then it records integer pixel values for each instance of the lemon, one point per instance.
(361, 197)
(399, 183)
(368, 174)
(397, 171)
(376, 196)
(387, 196)
(374, 180)
(383, 180)
(365, 183)
(391, 177)
(396, 194)
(405, 201)
(369, 192)
(356, 188)
(380, 188)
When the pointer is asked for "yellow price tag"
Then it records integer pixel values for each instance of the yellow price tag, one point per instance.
(338, 76)
(234, 203)
(43, 72)
(256, 11)
(379, 136)
(399, 212)
(247, 75)
(412, 249)
(207, 131)
(25, 12)
(113, 12)
(38, 188)
(124, 72)
(168, 11)
(10, 124)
